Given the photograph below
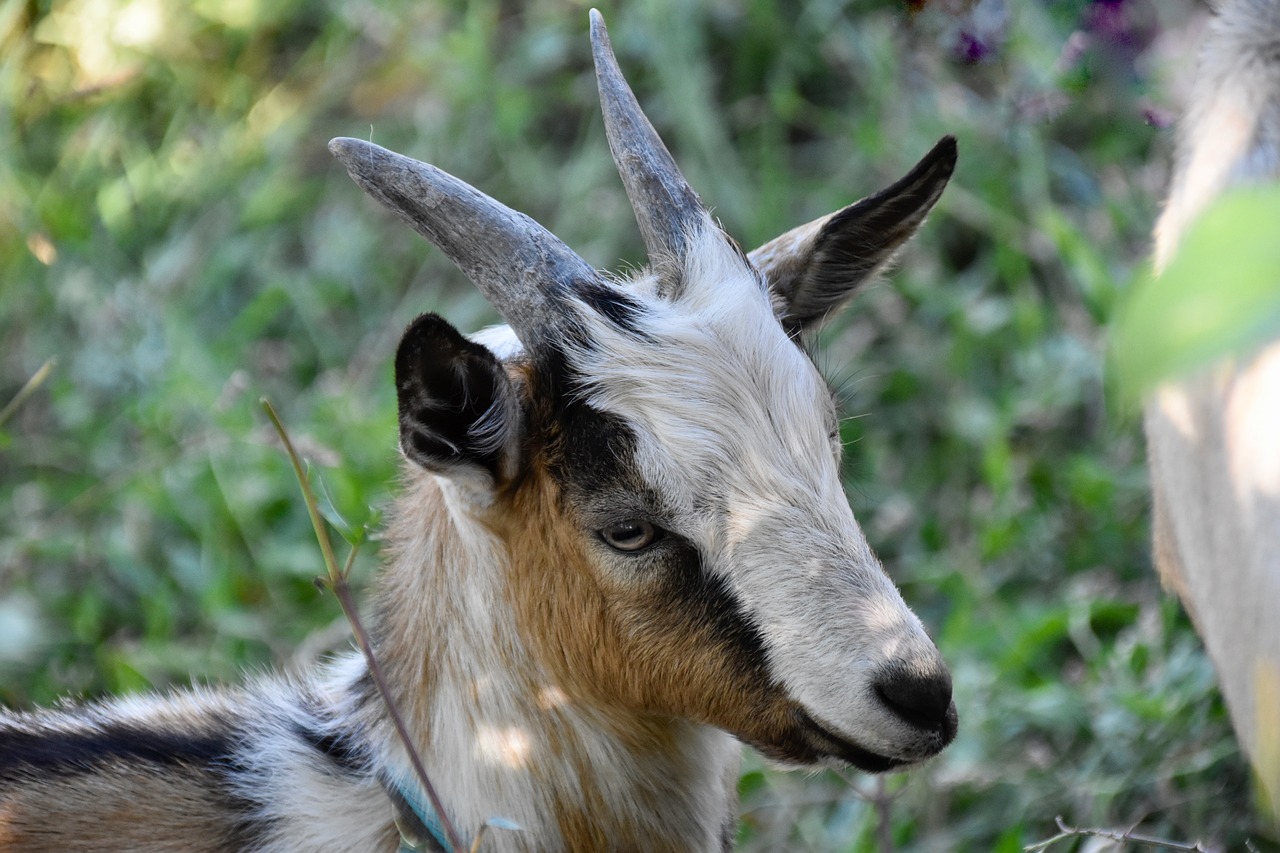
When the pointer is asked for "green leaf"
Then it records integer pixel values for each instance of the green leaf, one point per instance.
(1220, 296)
(327, 508)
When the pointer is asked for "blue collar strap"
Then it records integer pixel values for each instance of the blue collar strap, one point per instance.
(419, 825)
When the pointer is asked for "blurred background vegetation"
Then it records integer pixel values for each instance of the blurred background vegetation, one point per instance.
(174, 233)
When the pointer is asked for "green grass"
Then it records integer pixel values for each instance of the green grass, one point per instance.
(174, 232)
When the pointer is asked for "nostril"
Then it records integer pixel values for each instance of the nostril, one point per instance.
(922, 700)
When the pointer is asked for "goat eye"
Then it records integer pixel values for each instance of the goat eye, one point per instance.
(630, 535)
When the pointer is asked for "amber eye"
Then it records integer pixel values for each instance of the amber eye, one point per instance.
(630, 535)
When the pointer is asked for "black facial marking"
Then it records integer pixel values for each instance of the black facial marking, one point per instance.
(81, 751)
(706, 600)
(595, 463)
(623, 311)
(594, 454)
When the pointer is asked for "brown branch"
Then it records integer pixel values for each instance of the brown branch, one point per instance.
(881, 800)
(1129, 836)
(337, 581)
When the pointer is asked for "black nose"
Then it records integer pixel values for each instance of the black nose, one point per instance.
(924, 700)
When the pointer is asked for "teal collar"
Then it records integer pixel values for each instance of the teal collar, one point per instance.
(419, 825)
(421, 830)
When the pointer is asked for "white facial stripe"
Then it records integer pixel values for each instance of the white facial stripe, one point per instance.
(733, 425)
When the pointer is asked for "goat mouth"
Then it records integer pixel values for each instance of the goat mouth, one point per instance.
(809, 743)
(832, 745)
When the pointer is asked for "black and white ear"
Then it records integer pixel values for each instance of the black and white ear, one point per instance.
(813, 269)
(459, 412)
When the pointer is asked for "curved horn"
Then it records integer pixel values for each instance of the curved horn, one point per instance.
(519, 266)
(664, 203)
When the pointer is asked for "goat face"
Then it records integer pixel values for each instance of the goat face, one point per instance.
(661, 458)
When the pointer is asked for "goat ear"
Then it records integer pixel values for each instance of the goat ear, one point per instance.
(459, 412)
(813, 269)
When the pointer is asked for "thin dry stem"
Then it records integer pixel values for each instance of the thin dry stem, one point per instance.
(1129, 836)
(337, 581)
(37, 379)
(881, 800)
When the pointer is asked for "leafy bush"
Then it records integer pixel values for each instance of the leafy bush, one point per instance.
(174, 233)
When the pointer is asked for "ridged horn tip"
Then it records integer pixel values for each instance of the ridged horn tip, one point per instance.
(347, 151)
(343, 147)
(666, 207)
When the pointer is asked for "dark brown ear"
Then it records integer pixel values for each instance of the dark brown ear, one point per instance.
(813, 269)
(459, 413)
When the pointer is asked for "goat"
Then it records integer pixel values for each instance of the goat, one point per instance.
(1214, 438)
(622, 547)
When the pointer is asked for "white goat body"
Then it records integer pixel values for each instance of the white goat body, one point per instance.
(1214, 438)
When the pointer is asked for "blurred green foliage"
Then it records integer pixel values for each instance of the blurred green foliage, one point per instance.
(1193, 313)
(173, 231)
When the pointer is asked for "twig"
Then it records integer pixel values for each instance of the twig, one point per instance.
(337, 581)
(795, 803)
(37, 379)
(883, 802)
(1113, 835)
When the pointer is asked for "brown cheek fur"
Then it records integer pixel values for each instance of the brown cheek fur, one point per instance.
(612, 643)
